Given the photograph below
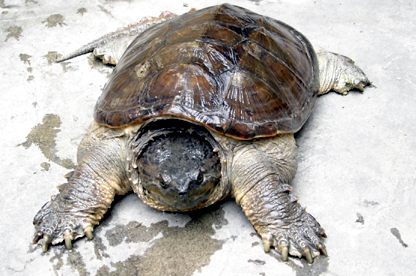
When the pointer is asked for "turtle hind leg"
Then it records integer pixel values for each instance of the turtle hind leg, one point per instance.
(340, 74)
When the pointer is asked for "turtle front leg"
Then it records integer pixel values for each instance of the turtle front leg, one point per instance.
(260, 175)
(339, 73)
(91, 188)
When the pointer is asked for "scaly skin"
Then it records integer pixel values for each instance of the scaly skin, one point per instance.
(91, 188)
(339, 73)
(260, 173)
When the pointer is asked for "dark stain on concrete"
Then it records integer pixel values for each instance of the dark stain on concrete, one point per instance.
(134, 232)
(4, 6)
(25, 58)
(319, 266)
(100, 248)
(56, 259)
(31, 1)
(14, 32)
(54, 20)
(257, 2)
(66, 66)
(360, 218)
(257, 262)
(81, 11)
(45, 166)
(104, 10)
(75, 260)
(43, 135)
(52, 56)
(397, 234)
(181, 251)
(368, 203)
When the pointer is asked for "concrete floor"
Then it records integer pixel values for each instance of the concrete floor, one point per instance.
(357, 164)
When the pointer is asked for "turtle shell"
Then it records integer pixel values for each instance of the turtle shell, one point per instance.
(231, 70)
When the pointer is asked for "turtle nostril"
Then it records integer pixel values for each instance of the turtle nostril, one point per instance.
(182, 193)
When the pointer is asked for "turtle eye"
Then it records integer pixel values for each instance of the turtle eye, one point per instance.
(200, 177)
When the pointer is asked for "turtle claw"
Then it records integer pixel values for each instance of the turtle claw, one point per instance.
(308, 255)
(68, 239)
(284, 251)
(46, 241)
(322, 249)
(88, 233)
(37, 237)
(267, 245)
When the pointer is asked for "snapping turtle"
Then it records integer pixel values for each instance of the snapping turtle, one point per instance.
(201, 107)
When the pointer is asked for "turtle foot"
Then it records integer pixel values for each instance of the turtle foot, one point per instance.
(340, 74)
(55, 223)
(301, 238)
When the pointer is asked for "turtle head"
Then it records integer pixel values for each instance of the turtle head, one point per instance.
(178, 166)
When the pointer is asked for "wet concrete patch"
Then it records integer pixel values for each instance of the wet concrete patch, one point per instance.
(319, 266)
(43, 135)
(360, 218)
(397, 234)
(181, 251)
(134, 232)
(54, 20)
(14, 32)
(81, 11)
(25, 58)
(75, 260)
(106, 11)
(257, 2)
(257, 262)
(100, 248)
(52, 56)
(66, 66)
(369, 203)
(45, 166)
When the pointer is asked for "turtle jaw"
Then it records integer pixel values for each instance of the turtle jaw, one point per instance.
(179, 201)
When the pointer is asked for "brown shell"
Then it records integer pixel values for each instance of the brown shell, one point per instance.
(236, 72)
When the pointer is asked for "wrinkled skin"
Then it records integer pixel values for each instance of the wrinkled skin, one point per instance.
(257, 172)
